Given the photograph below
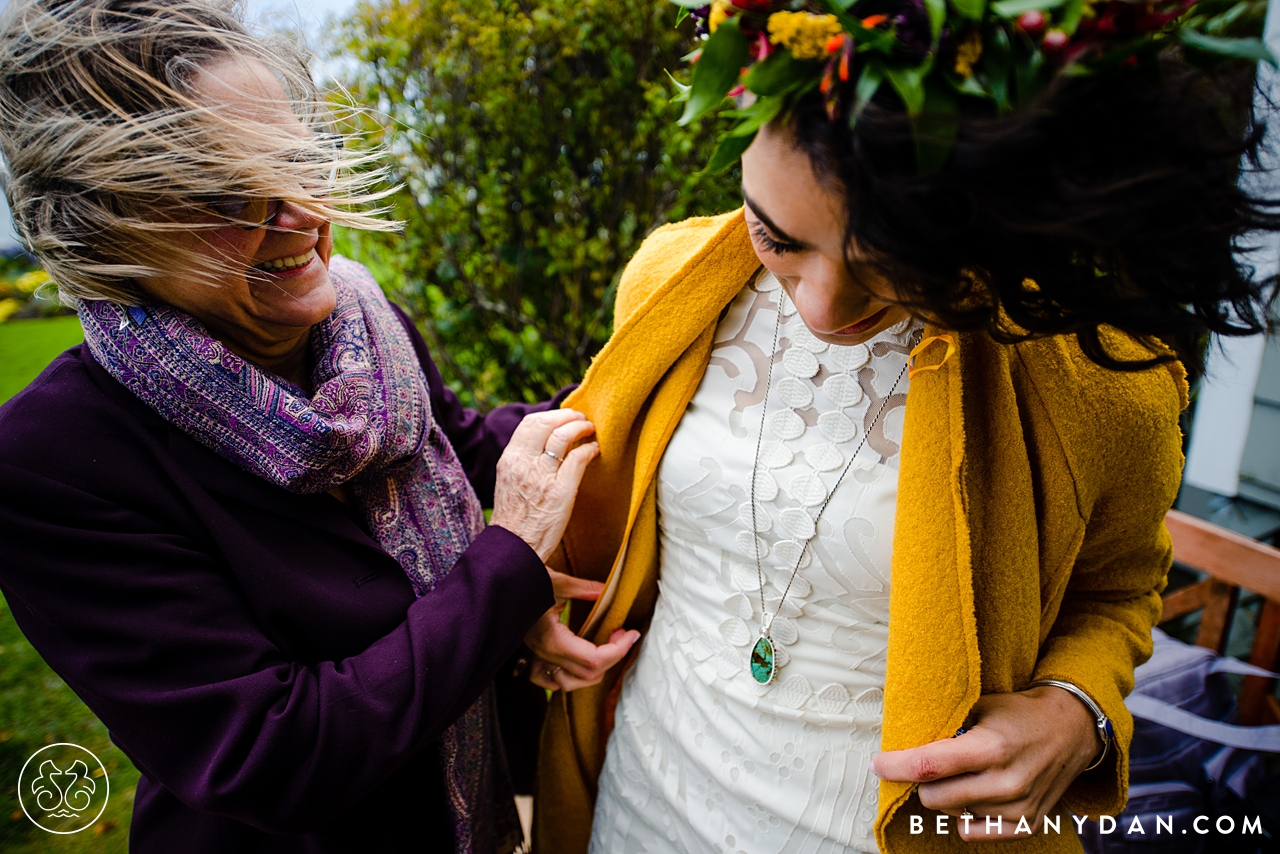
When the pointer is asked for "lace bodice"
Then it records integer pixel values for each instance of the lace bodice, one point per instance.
(702, 757)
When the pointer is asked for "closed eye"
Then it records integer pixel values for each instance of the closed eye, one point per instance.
(777, 247)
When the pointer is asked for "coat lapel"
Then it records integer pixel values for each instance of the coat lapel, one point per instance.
(933, 674)
(637, 389)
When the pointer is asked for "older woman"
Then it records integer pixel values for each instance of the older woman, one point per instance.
(243, 520)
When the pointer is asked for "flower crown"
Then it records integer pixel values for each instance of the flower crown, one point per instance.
(934, 54)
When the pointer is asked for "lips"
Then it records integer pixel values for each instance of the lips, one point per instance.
(283, 265)
(864, 324)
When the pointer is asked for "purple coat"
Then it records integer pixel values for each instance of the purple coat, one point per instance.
(255, 653)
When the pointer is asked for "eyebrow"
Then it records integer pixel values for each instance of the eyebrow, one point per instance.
(782, 235)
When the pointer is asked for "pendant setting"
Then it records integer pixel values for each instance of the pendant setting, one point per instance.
(763, 666)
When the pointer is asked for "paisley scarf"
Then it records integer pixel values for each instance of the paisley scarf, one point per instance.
(368, 426)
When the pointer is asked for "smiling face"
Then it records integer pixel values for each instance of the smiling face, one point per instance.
(797, 223)
(273, 281)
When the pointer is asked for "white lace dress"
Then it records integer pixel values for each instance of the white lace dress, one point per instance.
(702, 758)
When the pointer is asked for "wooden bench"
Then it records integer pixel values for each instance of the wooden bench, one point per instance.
(1232, 562)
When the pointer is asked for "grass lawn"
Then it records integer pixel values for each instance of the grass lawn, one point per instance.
(26, 346)
(36, 707)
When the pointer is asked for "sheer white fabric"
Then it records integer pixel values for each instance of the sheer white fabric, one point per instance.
(702, 758)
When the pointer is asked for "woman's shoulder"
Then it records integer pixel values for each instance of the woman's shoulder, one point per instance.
(65, 424)
(1115, 423)
(666, 251)
(1059, 366)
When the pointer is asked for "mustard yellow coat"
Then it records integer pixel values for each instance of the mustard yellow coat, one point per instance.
(1029, 538)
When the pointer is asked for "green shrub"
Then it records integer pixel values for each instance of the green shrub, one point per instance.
(537, 144)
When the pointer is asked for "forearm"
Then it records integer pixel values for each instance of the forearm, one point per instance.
(163, 647)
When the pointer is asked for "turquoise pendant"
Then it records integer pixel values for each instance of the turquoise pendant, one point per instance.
(762, 668)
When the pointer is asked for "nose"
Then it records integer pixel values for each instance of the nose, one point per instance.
(825, 295)
(295, 218)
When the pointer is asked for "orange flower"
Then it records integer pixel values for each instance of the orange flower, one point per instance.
(835, 43)
(874, 20)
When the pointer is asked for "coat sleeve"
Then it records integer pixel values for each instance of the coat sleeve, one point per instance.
(147, 627)
(478, 439)
(1126, 451)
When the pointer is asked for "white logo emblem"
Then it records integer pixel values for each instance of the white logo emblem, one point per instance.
(63, 788)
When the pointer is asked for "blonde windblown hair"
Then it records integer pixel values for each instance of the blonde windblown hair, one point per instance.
(109, 153)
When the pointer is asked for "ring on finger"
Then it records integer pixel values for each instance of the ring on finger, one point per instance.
(967, 815)
(554, 456)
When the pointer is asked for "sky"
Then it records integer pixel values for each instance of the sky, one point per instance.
(307, 15)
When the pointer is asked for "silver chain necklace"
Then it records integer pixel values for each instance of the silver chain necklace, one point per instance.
(763, 666)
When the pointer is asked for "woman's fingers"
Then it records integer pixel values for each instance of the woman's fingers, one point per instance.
(569, 587)
(932, 761)
(536, 486)
(579, 659)
(575, 466)
(564, 679)
(532, 433)
(562, 438)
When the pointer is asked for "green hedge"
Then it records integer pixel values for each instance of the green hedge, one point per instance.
(537, 146)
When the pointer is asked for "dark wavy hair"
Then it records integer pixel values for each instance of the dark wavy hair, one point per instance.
(1113, 199)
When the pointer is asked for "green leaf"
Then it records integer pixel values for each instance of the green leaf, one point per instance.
(682, 89)
(691, 4)
(869, 82)
(778, 73)
(723, 56)
(1014, 8)
(1235, 48)
(970, 86)
(729, 151)
(682, 14)
(936, 126)
(997, 62)
(909, 83)
(971, 9)
(757, 115)
(937, 15)
(1028, 70)
(1071, 16)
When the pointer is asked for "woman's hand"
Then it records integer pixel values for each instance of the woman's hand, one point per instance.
(564, 660)
(538, 477)
(1017, 759)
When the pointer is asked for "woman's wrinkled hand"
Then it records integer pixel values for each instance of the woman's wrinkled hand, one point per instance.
(564, 661)
(538, 477)
(1016, 760)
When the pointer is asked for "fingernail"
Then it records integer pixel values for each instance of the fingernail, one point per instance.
(872, 766)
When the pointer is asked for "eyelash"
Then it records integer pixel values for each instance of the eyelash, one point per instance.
(770, 244)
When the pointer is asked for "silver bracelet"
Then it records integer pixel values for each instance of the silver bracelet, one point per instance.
(1101, 721)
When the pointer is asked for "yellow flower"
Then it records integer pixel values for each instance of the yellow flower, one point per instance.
(28, 283)
(804, 34)
(8, 307)
(719, 14)
(969, 52)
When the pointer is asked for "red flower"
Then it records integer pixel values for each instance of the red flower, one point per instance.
(874, 20)
(835, 43)
(753, 5)
(1032, 22)
(763, 47)
(1055, 40)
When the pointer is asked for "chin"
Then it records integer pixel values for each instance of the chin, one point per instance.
(300, 304)
(890, 318)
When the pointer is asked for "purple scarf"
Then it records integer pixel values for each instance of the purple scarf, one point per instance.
(368, 425)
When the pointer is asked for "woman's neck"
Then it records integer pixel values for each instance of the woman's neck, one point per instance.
(290, 359)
